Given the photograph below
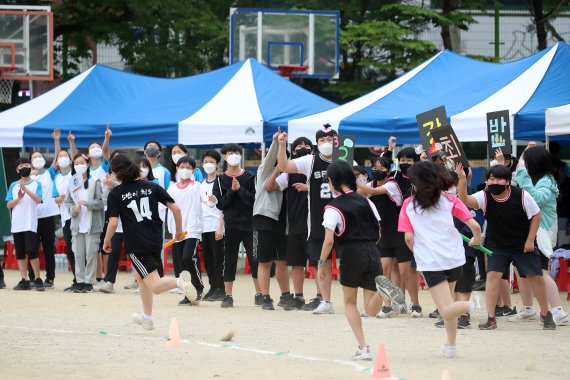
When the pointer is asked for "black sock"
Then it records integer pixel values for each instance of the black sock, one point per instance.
(266, 298)
(99, 279)
(319, 295)
(285, 294)
(300, 295)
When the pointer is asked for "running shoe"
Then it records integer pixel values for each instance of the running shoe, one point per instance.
(295, 303)
(78, 288)
(527, 313)
(87, 288)
(324, 308)
(258, 299)
(491, 324)
(449, 351)
(560, 316)
(48, 284)
(39, 285)
(284, 300)
(208, 294)
(389, 290)
(386, 312)
(138, 318)
(267, 303)
(108, 288)
(23, 285)
(132, 285)
(362, 353)
(185, 283)
(219, 295)
(227, 302)
(416, 311)
(70, 288)
(547, 322)
(506, 311)
(2, 284)
(434, 314)
(185, 302)
(440, 323)
(312, 304)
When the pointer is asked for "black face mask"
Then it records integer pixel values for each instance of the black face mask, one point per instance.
(379, 175)
(404, 168)
(25, 172)
(302, 152)
(496, 189)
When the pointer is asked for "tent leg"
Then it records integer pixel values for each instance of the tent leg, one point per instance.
(514, 148)
(262, 151)
(547, 142)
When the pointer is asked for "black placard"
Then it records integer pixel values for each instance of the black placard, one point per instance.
(343, 149)
(499, 132)
(427, 122)
(450, 145)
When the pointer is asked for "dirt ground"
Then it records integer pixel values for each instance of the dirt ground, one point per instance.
(57, 335)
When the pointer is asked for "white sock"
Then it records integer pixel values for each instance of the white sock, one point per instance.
(178, 282)
(146, 317)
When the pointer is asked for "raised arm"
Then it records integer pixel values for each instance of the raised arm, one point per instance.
(106, 141)
(56, 134)
(469, 200)
(284, 165)
(72, 147)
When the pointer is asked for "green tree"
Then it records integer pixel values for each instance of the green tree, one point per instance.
(543, 12)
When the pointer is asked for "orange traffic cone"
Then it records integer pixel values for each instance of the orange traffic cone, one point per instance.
(381, 368)
(174, 335)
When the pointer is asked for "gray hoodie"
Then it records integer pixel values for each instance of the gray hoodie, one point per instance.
(95, 212)
(267, 203)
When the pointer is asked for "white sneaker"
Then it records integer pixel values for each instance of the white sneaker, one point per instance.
(476, 309)
(526, 313)
(108, 288)
(139, 320)
(324, 308)
(132, 285)
(449, 351)
(389, 290)
(174, 291)
(416, 311)
(362, 353)
(560, 316)
(387, 312)
(185, 283)
(98, 284)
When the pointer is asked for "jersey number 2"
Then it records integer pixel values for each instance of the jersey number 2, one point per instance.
(145, 209)
(325, 191)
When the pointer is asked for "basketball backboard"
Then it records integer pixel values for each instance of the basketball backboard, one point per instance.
(287, 37)
(26, 42)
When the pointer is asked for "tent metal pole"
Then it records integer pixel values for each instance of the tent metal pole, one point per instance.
(514, 145)
(262, 151)
(547, 142)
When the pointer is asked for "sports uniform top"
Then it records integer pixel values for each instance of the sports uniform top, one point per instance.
(389, 206)
(297, 204)
(25, 213)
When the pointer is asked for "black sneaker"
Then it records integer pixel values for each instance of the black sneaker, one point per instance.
(463, 323)
(267, 303)
(227, 302)
(39, 285)
(2, 284)
(434, 314)
(208, 294)
(87, 288)
(23, 285)
(285, 300)
(295, 303)
(312, 304)
(48, 284)
(185, 302)
(71, 288)
(507, 311)
(548, 322)
(478, 286)
(499, 310)
(491, 324)
(440, 323)
(258, 299)
(219, 295)
(32, 284)
(79, 287)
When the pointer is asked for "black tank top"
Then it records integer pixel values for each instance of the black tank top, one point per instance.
(319, 196)
(360, 224)
(297, 206)
(389, 213)
(507, 222)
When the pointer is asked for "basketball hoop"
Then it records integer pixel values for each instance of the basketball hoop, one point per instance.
(6, 85)
(288, 70)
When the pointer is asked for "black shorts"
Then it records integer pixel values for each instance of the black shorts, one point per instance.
(402, 253)
(146, 263)
(467, 279)
(359, 265)
(544, 261)
(526, 263)
(26, 243)
(314, 247)
(297, 250)
(435, 277)
(269, 246)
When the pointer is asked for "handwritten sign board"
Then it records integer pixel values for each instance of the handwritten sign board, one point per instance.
(343, 149)
(448, 143)
(499, 132)
(427, 122)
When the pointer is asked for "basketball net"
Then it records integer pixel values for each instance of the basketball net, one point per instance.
(6, 85)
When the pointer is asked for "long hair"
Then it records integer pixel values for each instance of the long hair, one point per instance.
(124, 169)
(341, 173)
(538, 163)
(427, 180)
(145, 162)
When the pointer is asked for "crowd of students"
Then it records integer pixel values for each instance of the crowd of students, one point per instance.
(403, 217)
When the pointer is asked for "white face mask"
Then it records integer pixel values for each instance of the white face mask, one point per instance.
(96, 152)
(209, 168)
(234, 159)
(185, 173)
(63, 162)
(326, 149)
(81, 168)
(176, 157)
(38, 163)
(144, 172)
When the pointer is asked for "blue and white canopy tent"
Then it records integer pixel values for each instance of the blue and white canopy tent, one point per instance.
(468, 89)
(558, 123)
(242, 103)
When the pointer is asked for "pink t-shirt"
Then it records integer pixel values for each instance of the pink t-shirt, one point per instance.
(437, 243)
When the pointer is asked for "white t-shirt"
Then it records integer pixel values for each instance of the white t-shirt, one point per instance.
(48, 207)
(99, 172)
(189, 199)
(305, 164)
(529, 204)
(211, 215)
(282, 181)
(25, 213)
(394, 191)
(437, 243)
(81, 195)
(61, 182)
(334, 221)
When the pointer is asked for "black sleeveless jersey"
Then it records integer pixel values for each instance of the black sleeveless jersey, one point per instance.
(360, 223)
(319, 196)
(389, 215)
(507, 222)
(297, 205)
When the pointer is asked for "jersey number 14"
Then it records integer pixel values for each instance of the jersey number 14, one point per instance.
(144, 212)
